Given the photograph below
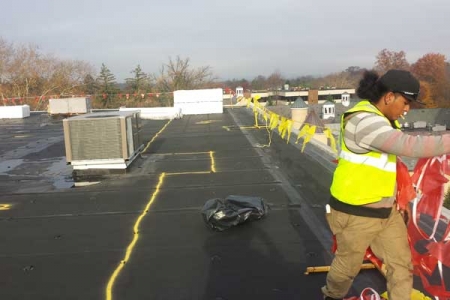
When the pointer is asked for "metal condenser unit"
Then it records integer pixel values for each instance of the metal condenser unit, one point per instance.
(102, 140)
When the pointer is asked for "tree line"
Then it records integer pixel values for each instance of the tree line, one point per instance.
(432, 70)
(30, 76)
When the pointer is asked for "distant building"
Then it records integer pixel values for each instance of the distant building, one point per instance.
(328, 110)
(312, 119)
(313, 96)
(427, 118)
(239, 91)
(299, 111)
(345, 99)
(331, 112)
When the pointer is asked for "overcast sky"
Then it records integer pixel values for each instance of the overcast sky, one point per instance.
(236, 38)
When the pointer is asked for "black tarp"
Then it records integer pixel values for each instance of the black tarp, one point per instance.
(221, 214)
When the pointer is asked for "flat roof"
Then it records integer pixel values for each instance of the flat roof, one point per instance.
(141, 234)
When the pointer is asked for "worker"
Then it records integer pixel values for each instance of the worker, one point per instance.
(363, 211)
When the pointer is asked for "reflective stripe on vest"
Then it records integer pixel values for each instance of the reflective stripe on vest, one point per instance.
(363, 178)
(379, 163)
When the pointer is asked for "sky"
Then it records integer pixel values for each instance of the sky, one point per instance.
(235, 38)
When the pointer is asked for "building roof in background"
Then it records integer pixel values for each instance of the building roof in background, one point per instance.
(433, 116)
(339, 110)
(299, 103)
(313, 119)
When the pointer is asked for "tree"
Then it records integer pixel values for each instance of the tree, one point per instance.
(302, 82)
(6, 51)
(432, 69)
(447, 90)
(26, 73)
(140, 83)
(354, 70)
(23, 70)
(275, 81)
(234, 83)
(259, 83)
(425, 96)
(107, 85)
(337, 80)
(65, 77)
(179, 75)
(244, 84)
(89, 85)
(355, 74)
(387, 60)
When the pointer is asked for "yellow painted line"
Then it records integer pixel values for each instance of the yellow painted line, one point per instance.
(211, 155)
(206, 122)
(130, 247)
(228, 128)
(189, 173)
(188, 153)
(5, 206)
(21, 136)
(252, 127)
(213, 164)
(156, 135)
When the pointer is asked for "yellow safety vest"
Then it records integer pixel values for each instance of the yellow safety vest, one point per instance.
(363, 178)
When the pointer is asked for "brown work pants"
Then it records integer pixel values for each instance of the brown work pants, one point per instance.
(388, 240)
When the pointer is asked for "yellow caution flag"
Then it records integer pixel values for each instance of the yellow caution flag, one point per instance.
(256, 118)
(282, 127)
(274, 118)
(289, 129)
(308, 132)
(330, 136)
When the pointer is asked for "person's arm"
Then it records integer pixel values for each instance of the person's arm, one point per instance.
(373, 132)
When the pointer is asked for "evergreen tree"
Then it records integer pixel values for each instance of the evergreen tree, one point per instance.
(107, 86)
(139, 83)
(89, 85)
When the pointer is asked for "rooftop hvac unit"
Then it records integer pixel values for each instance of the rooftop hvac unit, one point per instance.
(105, 140)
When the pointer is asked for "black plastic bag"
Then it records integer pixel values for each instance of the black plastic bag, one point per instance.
(222, 214)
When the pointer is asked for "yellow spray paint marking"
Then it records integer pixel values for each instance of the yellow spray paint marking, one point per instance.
(21, 136)
(130, 248)
(188, 153)
(156, 135)
(5, 206)
(205, 122)
(228, 128)
(188, 173)
(134, 241)
(213, 164)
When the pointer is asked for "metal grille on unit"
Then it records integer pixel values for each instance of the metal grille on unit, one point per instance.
(102, 136)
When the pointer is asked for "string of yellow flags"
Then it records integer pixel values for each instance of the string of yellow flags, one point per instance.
(284, 125)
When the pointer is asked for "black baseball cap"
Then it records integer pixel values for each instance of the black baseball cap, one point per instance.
(403, 82)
